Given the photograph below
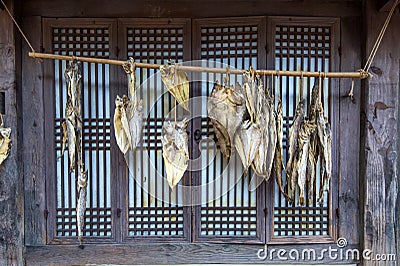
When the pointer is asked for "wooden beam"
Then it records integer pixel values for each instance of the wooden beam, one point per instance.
(11, 180)
(185, 253)
(191, 9)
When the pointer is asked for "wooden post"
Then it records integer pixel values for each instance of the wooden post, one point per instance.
(379, 148)
(11, 182)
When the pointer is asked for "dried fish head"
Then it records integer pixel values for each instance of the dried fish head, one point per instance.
(225, 109)
(177, 83)
(175, 150)
(121, 124)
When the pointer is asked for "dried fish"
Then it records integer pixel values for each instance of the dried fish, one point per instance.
(175, 150)
(325, 139)
(265, 118)
(121, 124)
(226, 110)
(176, 82)
(249, 135)
(292, 164)
(307, 128)
(128, 115)
(247, 141)
(278, 158)
(70, 123)
(5, 142)
(81, 205)
(73, 77)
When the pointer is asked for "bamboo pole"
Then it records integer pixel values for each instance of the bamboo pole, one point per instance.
(359, 74)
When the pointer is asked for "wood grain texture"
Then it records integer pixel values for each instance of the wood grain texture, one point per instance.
(176, 254)
(380, 154)
(187, 8)
(11, 182)
(349, 131)
(33, 137)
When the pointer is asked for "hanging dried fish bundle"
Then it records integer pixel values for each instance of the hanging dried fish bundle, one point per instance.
(5, 142)
(72, 126)
(226, 108)
(128, 115)
(248, 136)
(176, 82)
(175, 150)
(72, 135)
(309, 140)
(266, 119)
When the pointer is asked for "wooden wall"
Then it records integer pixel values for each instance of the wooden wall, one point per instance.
(11, 181)
(368, 176)
(380, 134)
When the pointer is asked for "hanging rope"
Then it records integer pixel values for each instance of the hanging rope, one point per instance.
(19, 28)
(380, 37)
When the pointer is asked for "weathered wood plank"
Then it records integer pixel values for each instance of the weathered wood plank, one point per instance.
(33, 137)
(187, 8)
(11, 182)
(349, 123)
(380, 154)
(185, 253)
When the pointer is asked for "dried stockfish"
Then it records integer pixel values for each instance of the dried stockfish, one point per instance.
(5, 142)
(175, 150)
(226, 110)
(128, 115)
(266, 119)
(306, 130)
(121, 124)
(325, 140)
(176, 82)
(247, 141)
(134, 110)
(292, 164)
(248, 136)
(278, 158)
(81, 205)
(72, 135)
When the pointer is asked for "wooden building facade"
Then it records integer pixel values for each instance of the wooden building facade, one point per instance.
(124, 223)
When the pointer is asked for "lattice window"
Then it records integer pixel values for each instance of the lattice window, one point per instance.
(153, 208)
(306, 48)
(94, 42)
(229, 210)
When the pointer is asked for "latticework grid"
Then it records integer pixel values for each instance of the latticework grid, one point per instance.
(153, 208)
(234, 212)
(304, 48)
(96, 132)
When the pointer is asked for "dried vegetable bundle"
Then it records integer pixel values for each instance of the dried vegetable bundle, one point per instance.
(5, 142)
(175, 150)
(128, 115)
(309, 140)
(177, 83)
(72, 135)
(226, 108)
